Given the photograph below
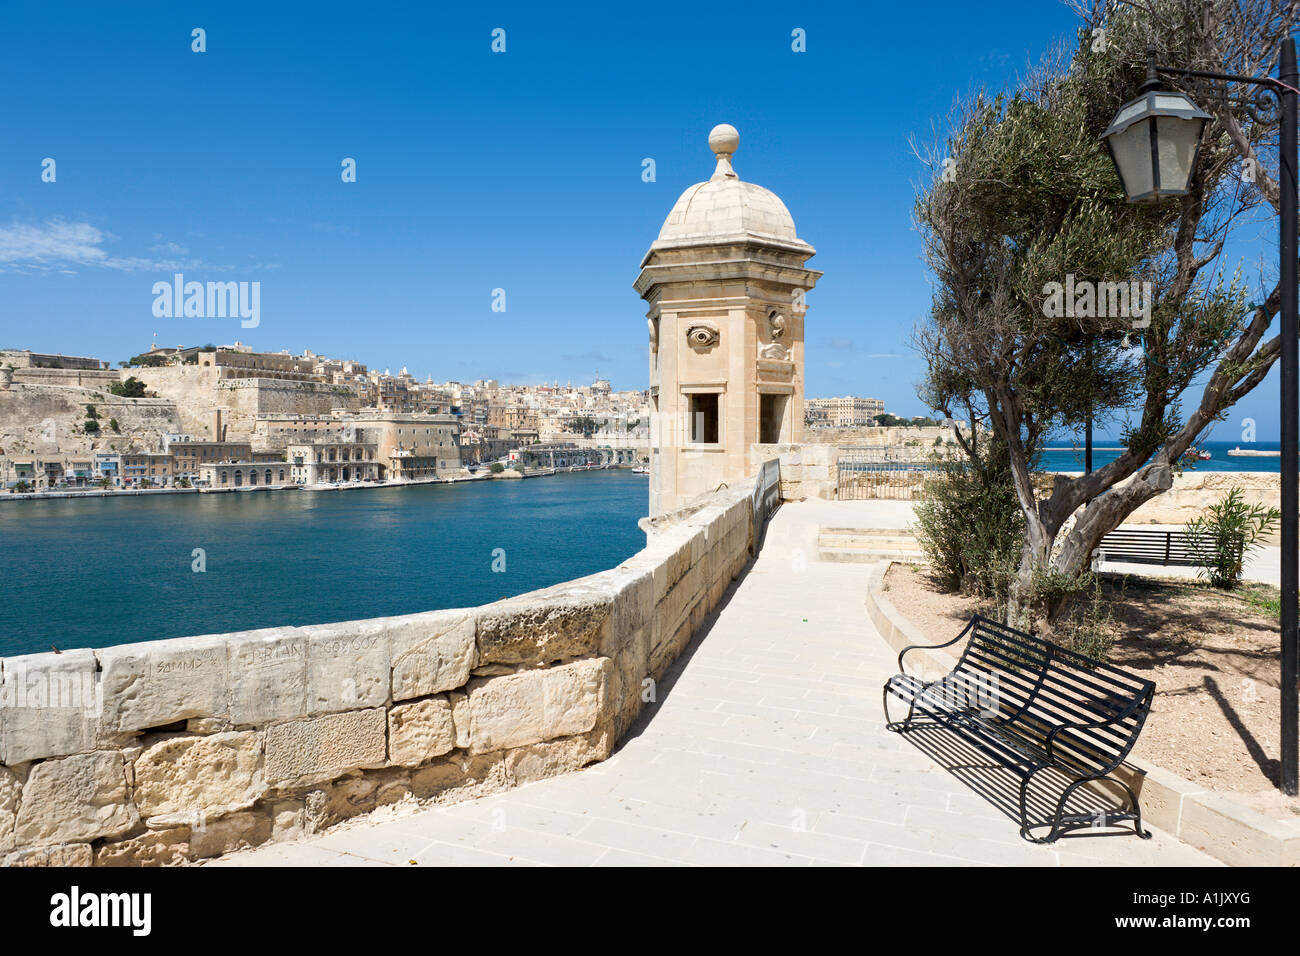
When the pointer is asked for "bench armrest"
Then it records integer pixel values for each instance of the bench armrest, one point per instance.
(931, 647)
(1126, 713)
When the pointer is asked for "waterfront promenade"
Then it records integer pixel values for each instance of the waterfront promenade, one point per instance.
(766, 747)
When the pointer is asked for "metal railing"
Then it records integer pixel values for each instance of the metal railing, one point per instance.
(883, 471)
(767, 498)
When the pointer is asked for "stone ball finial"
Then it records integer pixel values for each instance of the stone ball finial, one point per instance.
(724, 140)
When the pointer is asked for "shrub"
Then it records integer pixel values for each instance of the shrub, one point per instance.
(22, 488)
(969, 524)
(112, 423)
(1223, 536)
(131, 388)
(497, 468)
(90, 412)
(91, 427)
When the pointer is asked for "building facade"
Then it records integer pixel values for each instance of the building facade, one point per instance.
(321, 462)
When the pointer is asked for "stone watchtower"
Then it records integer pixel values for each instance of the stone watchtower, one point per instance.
(725, 282)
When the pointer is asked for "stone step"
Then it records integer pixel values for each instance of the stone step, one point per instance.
(866, 541)
(898, 540)
(867, 555)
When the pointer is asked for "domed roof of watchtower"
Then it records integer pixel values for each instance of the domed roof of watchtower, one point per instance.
(726, 209)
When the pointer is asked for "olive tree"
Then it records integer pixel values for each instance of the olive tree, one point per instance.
(1055, 300)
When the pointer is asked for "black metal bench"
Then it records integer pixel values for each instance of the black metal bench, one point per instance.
(1149, 546)
(1031, 705)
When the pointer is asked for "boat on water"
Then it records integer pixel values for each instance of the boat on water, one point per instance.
(1253, 453)
(640, 470)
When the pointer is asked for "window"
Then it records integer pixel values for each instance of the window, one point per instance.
(704, 418)
(771, 415)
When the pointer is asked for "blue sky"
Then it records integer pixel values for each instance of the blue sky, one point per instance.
(475, 171)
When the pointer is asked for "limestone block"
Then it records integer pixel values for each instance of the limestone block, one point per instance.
(1238, 835)
(340, 800)
(159, 682)
(169, 847)
(183, 779)
(288, 819)
(461, 776)
(50, 705)
(431, 653)
(554, 757)
(536, 705)
(75, 798)
(321, 748)
(633, 605)
(236, 831)
(420, 731)
(348, 665)
(69, 854)
(460, 717)
(268, 675)
(10, 789)
(566, 621)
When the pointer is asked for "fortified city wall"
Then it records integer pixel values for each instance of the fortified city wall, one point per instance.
(199, 390)
(178, 750)
(46, 419)
(80, 378)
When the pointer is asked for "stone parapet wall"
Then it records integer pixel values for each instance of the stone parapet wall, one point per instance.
(178, 750)
(807, 470)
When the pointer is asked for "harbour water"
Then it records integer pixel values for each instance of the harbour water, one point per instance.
(1059, 456)
(103, 571)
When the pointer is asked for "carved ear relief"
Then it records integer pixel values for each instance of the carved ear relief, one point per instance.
(776, 324)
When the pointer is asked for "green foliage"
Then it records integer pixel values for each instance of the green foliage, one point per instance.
(496, 468)
(1223, 536)
(22, 488)
(584, 424)
(91, 426)
(105, 482)
(112, 423)
(131, 388)
(969, 524)
(1091, 629)
(90, 412)
(148, 361)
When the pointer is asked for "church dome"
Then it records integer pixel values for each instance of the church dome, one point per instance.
(724, 208)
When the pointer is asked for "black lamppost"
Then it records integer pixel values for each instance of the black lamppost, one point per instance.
(1154, 141)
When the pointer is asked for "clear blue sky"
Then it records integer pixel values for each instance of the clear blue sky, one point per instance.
(475, 171)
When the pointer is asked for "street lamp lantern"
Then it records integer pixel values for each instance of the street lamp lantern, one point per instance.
(1154, 141)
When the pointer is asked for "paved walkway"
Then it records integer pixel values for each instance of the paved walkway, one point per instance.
(766, 746)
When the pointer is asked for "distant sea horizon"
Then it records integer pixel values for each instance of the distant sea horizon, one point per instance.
(1067, 456)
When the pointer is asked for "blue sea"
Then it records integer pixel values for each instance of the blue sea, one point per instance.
(101, 571)
(1060, 456)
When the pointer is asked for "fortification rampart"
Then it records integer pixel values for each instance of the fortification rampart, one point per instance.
(177, 750)
(49, 420)
(199, 390)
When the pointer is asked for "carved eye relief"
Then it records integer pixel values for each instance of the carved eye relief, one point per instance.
(702, 336)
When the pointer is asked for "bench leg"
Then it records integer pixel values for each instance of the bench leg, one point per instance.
(1055, 833)
(1137, 809)
(907, 721)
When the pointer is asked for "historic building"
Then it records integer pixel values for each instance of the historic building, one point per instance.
(313, 463)
(725, 282)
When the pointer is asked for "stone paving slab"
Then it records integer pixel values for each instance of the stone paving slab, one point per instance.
(767, 747)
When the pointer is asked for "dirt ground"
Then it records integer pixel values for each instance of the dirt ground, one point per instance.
(1214, 659)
